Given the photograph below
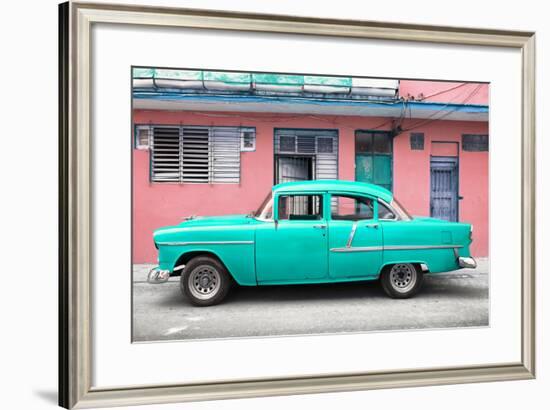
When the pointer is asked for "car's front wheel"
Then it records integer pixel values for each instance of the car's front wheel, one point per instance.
(205, 281)
(401, 280)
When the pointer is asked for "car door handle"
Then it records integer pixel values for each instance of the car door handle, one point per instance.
(319, 226)
(375, 226)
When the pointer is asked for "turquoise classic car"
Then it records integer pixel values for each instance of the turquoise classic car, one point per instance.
(311, 232)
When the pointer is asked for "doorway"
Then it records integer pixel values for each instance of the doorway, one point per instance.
(444, 188)
(374, 158)
(290, 168)
(305, 154)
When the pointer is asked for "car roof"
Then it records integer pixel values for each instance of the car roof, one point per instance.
(334, 185)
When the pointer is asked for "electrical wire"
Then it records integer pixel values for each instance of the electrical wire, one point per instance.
(444, 91)
(431, 118)
(397, 121)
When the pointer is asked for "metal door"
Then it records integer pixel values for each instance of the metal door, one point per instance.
(294, 168)
(444, 188)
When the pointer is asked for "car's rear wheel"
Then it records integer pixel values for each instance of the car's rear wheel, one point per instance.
(401, 280)
(205, 281)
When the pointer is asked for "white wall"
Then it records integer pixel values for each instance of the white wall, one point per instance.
(28, 296)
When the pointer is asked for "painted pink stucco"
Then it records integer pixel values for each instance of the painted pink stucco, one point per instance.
(445, 91)
(157, 204)
(444, 149)
(411, 176)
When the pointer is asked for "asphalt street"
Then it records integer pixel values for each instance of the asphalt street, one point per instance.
(454, 299)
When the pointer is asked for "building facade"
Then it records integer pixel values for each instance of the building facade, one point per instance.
(219, 151)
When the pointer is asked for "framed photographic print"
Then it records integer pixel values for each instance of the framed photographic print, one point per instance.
(255, 205)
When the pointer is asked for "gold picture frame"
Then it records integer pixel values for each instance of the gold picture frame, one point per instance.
(76, 20)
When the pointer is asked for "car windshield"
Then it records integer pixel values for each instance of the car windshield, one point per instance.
(265, 210)
(403, 214)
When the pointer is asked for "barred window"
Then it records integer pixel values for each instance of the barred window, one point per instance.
(475, 142)
(324, 145)
(287, 143)
(417, 140)
(306, 143)
(197, 154)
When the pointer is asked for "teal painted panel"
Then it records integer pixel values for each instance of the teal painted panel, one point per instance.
(291, 250)
(227, 77)
(332, 81)
(278, 79)
(354, 264)
(241, 78)
(188, 75)
(194, 235)
(143, 72)
(425, 231)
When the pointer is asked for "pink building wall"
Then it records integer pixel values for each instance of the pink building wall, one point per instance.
(161, 204)
(445, 91)
(411, 176)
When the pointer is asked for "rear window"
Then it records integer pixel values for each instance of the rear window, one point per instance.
(351, 208)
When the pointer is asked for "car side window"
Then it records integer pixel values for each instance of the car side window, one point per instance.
(300, 207)
(384, 212)
(352, 208)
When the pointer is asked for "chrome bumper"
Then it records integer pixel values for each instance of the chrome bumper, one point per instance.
(466, 262)
(157, 276)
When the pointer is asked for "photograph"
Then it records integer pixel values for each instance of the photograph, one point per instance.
(352, 194)
(280, 204)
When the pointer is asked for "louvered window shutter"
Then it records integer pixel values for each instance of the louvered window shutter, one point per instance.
(165, 154)
(306, 144)
(196, 154)
(225, 154)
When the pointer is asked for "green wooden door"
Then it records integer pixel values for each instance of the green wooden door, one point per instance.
(373, 158)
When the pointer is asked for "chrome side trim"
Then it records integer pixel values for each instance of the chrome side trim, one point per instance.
(358, 249)
(351, 234)
(178, 268)
(392, 248)
(207, 243)
(415, 247)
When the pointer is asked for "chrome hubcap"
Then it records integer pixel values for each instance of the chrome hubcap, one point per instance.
(403, 277)
(204, 282)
